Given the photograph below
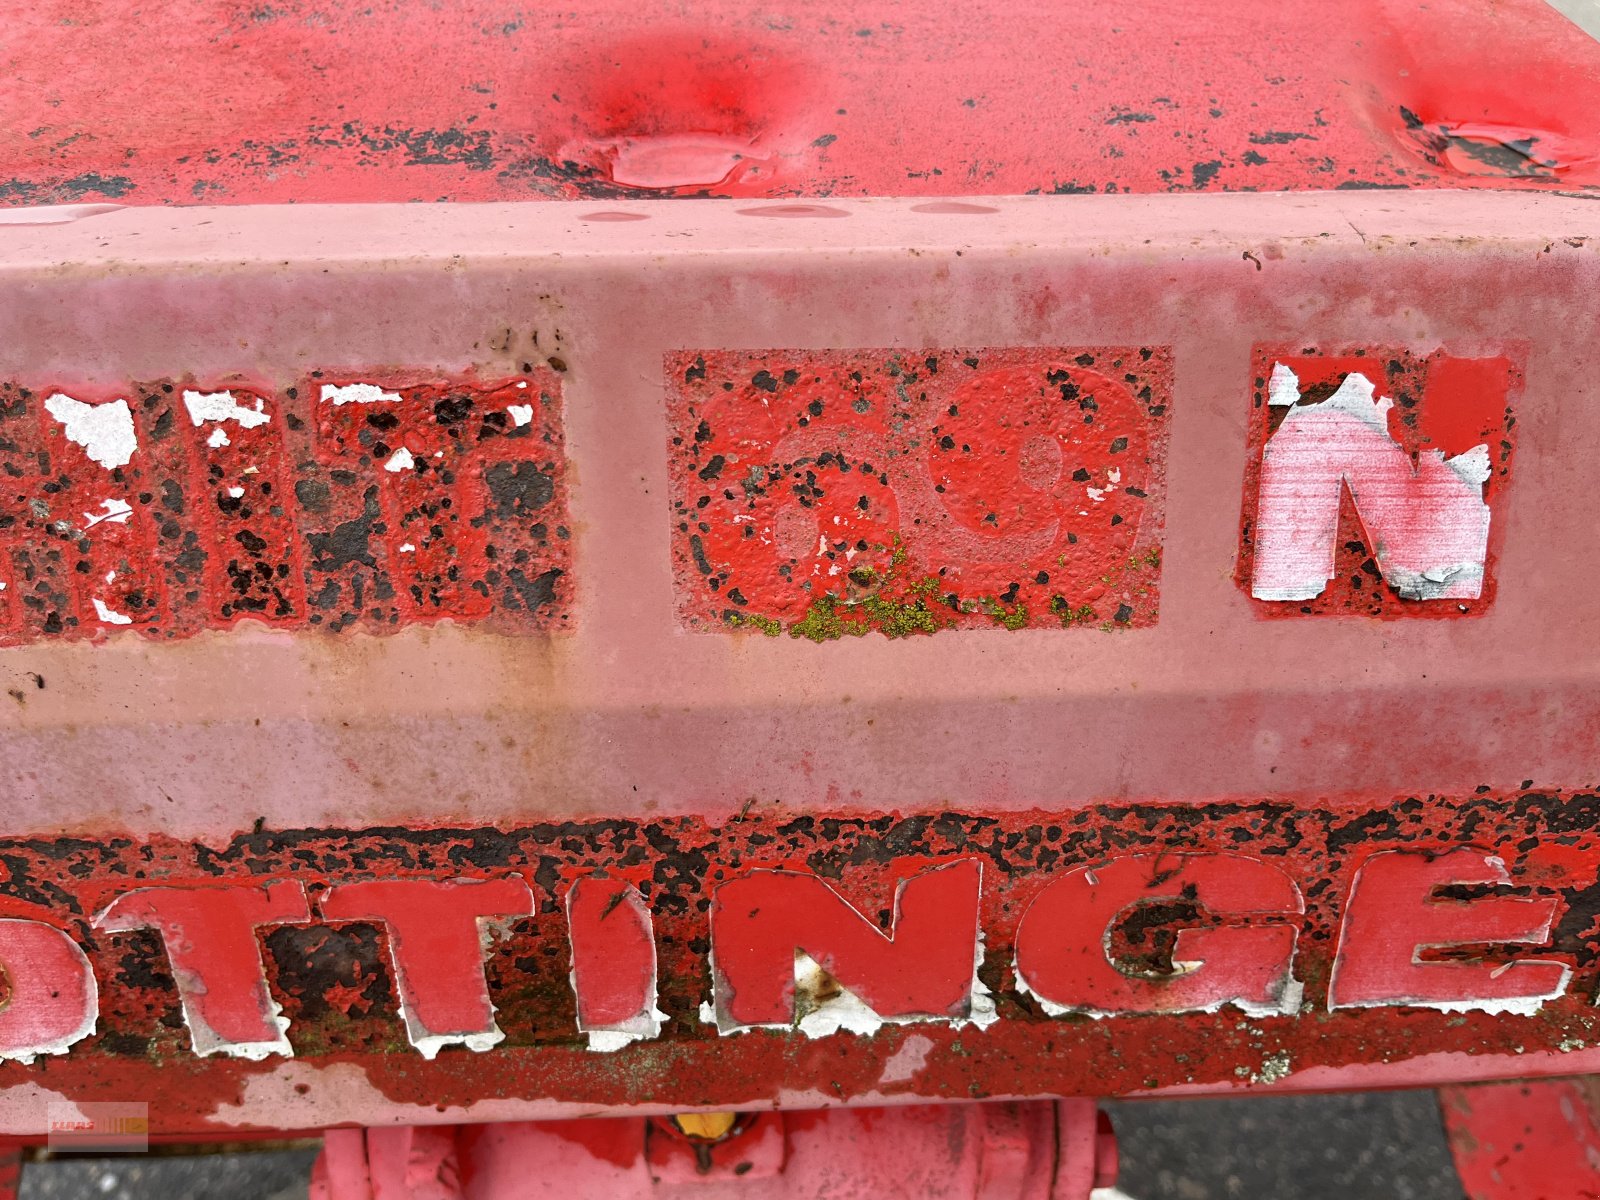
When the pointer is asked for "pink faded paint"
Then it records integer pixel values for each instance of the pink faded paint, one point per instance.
(613, 958)
(1033, 1151)
(1203, 704)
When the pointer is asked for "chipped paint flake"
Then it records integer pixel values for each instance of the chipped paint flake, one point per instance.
(823, 1006)
(400, 460)
(1283, 390)
(358, 393)
(116, 511)
(521, 414)
(223, 406)
(105, 431)
(110, 615)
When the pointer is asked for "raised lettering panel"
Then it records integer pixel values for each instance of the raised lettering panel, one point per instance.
(177, 506)
(841, 492)
(1374, 481)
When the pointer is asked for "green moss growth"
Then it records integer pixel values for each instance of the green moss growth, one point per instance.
(767, 625)
(829, 618)
(1069, 616)
(1011, 618)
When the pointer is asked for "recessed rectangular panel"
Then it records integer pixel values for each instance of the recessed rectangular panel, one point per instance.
(835, 493)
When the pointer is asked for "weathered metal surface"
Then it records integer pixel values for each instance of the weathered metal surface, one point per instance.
(1256, 789)
(835, 494)
(1526, 1140)
(1118, 949)
(331, 100)
(168, 508)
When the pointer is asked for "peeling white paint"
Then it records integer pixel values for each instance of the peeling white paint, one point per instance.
(218, 438)
(429, 1044)
(521, 414)
(400, 460)
(205, 1040)
(1290, 993)
(236, 492)
(841, 1010)
(1517, 1006)
(115, 510)
(222, 406)
(1428, 524)
(1472, 467)
(641, 1027)
(105, 431)
(358, 393)
(110, 615)
(1283, 390)
(407, 548)
(981, 1012)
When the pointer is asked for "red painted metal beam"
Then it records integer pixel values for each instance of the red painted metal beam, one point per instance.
(274, 101)
(1525, 1141)
(1230, 838)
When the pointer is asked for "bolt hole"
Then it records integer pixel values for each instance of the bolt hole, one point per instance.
(793, 210)
(953, 206)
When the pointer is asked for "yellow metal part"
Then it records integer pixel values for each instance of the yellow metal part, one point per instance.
(708, 1127)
